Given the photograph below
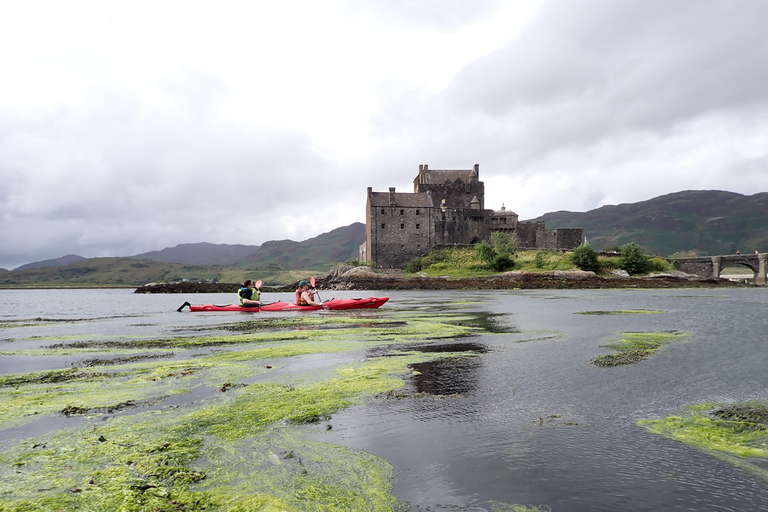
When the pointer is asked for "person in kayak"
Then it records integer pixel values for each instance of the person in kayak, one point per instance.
(248, 295)
(305, 297)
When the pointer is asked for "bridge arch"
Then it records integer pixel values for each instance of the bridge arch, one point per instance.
(711, 266)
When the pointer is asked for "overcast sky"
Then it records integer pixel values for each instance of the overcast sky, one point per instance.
(127, 127)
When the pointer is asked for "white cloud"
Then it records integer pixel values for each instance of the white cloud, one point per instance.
(131, 127)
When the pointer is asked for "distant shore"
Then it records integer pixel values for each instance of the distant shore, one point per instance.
(366, 279)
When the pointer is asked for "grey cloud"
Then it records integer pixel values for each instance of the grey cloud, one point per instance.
(115, 177)
(629, 64)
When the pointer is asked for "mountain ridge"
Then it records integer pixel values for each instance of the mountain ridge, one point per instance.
(707, 222)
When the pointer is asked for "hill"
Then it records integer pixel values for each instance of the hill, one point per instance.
(321, 252)
(709, 222)
(276, 263)
(56, 262)
(132, 273)
(203, 253)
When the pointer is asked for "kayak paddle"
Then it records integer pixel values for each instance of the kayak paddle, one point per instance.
(312, 282)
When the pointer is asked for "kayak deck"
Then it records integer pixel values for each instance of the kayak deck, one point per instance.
(333, 304)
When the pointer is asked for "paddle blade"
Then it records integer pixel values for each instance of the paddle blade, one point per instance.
(312, 281)
(183, 306)
(258, 284)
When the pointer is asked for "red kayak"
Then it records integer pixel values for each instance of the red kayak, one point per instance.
(370, 302)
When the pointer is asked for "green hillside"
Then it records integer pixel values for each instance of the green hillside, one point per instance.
(129, 272)
(321, 252)
(275, 263)
(709, 222)
(202, 253)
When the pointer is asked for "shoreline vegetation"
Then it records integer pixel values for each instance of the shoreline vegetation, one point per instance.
(494, 266)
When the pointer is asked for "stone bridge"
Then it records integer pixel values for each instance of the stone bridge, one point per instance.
(710, 266)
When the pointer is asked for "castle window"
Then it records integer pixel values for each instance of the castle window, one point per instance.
(383, 225)
(418, 246)
(417, 226)
(383, 211)
(417, 212)
(402, 226)
(504, 220)
(402, 212)
(402, 247)
(383, 247)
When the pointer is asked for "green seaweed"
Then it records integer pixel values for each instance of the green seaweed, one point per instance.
(636, 346)
(734, 433)
(239, 447)
(165, 460)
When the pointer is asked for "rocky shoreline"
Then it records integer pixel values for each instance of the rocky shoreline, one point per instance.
(363, 278)
(346, 277)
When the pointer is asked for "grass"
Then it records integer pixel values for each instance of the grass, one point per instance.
(465, 262)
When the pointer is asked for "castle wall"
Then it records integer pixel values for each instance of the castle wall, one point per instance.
(400, 234)
(461, 226)
(456, 195)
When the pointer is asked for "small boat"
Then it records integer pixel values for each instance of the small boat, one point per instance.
(333, 304)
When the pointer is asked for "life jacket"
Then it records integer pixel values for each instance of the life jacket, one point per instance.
(302, 302)
(244, 293)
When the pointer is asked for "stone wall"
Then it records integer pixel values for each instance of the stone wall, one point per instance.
(400, 234)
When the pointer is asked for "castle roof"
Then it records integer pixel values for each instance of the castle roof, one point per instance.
(404, 199)
(438, 177)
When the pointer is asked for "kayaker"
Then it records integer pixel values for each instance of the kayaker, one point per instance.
(305, 297)
(248, 295)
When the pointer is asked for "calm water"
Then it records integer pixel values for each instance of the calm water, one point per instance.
(533, 422)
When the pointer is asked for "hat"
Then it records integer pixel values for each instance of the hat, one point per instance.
(303, 283)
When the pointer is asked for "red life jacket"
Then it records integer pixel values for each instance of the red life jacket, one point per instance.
(302, 302)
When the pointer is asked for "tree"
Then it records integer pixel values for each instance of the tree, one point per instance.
(497, 257)
(504, 243)
(585, 257)
(485, 251)
(633, 260)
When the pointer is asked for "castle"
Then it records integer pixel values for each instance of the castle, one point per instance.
(446, 208)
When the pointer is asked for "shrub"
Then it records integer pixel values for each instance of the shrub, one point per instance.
(501, 263)
(538, 260)
(585, 257)
(485, 252)
(660, 265)
(608, 263)
(633, 260)
(415, 265)
(504, 243)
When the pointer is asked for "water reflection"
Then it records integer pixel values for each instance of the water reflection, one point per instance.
(454, 376)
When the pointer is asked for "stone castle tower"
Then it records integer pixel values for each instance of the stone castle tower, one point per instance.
(446, 208)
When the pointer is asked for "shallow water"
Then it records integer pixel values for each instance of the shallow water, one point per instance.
(528, 419)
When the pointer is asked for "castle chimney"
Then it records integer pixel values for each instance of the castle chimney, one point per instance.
(391, 196)
(502, 207)
(426, 167)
